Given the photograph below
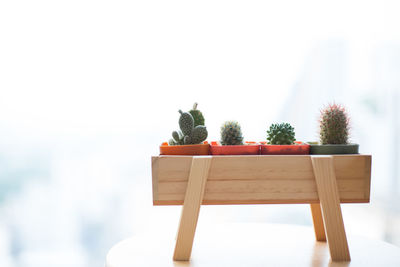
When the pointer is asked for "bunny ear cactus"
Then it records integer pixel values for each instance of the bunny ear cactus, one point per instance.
(231, 133)
(334, 125)
(189, 133)
(281, 134)
(197, 115)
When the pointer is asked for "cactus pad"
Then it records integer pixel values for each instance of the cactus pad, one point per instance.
(197, 116)
(186, 122)
(187, 140)
(199, 134)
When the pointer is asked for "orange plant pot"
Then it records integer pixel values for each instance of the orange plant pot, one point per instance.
(200, 149)
(299, 148)
(252, 148)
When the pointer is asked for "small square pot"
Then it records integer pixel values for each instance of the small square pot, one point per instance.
(251, 148)
(334, 149)
(299, 148)
(199, 149)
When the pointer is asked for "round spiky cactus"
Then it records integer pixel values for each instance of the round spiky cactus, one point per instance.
(281, 134)
(334, 125)
(197, 115)
(231, 134)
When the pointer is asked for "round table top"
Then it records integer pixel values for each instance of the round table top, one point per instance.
(248, 244)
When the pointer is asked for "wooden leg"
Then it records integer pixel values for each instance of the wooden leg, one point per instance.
(191, 207)
(318, 222)
(330, 203)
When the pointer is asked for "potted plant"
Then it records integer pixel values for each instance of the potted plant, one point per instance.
(232, 142)
(282, 141)
(190, 139)
(334, 132)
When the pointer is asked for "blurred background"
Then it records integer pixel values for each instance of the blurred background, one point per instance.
(90, 89)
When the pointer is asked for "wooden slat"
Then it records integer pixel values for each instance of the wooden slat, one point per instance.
(261, 168)
(328, 194)
(260, 179)
(318, 222)
(368, 162)
(154, 170)
(259, 186)
(228, 199)
(191, 208)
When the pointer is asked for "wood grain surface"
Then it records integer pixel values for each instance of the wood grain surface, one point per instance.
(191, 207)
(330, 204)
(260, 179)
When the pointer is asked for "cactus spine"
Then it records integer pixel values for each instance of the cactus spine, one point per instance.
(281, 134)
(231, 133)
(334, 125)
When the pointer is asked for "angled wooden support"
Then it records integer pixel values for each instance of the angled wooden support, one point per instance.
(330, 203)
(318, 222)
(191, 207)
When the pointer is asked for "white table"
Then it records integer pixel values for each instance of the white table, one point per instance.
(248, 244)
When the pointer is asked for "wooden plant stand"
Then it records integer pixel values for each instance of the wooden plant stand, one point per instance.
(321, 181)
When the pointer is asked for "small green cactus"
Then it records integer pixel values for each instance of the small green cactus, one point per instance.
(188, 134)
(281, 134)
(186, 122)
(231, 134)
(334, 125)
(197, 116)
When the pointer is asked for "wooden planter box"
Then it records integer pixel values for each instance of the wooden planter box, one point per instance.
(322, 181)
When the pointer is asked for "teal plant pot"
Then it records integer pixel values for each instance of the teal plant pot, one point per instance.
(333, 149)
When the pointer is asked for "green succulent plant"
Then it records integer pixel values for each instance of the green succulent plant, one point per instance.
(188, 133)
(197, 115)
(334, 125)
(231, 133)
(281, 134)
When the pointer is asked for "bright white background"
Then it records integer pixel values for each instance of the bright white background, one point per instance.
(89, 89)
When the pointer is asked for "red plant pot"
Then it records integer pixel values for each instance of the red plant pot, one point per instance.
(299, 148)
(252, 148)
(200, 149)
